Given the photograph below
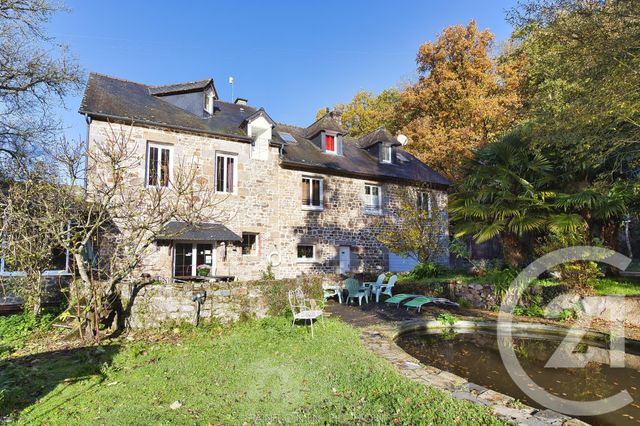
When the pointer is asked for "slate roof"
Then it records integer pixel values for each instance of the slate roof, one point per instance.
(114, 99)
(122, 100)
(176, 88)
(326, 122)
(181, 231)
(379, 135)
(355, 161)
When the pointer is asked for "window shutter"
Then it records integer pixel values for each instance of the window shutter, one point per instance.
(339, 147)
(323, 142)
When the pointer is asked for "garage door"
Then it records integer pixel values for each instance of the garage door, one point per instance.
(399, 263)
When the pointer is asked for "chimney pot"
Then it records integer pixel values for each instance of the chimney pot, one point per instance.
(241, 101)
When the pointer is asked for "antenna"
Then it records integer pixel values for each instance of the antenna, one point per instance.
(402, 139)
(231, 84)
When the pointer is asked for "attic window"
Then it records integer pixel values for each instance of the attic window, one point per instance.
(208, 102)
(385, 155)
(330, 143)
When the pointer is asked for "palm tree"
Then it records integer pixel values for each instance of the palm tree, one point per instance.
(508, 193)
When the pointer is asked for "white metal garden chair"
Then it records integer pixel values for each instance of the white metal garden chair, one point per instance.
(304, 309)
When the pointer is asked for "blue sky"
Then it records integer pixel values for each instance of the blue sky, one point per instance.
(290, 57)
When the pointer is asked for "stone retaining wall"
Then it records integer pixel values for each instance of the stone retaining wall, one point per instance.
(155, 304)
(607, 308)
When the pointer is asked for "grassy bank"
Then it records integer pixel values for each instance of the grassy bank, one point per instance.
(256, 372)
(624, 286)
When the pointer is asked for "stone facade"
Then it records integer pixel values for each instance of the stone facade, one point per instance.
(267, 201)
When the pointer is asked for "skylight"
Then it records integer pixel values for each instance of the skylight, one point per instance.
(287, 137)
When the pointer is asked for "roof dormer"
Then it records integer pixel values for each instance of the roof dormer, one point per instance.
(327, 134)
(196, 97)
(260, 129)
(381, 145)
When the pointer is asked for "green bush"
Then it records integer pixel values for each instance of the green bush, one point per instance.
(276, 292)
(425, 270)
(448, 319)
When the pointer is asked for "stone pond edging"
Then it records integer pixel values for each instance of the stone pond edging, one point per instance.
(380, 339)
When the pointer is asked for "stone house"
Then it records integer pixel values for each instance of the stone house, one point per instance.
(305, 200)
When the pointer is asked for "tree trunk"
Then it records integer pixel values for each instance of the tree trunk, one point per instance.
(511, 250)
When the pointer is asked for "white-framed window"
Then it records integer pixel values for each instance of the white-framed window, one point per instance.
(306, 252)
(385, 155)
(424, 201)
(226, 173)
(249, 244)
(372, 198)
(331, 143)
(159, 164)
(312, 193)
(188, 257)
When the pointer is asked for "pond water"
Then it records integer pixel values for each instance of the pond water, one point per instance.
(474, 355)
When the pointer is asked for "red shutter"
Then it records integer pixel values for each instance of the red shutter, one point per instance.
(330, 143)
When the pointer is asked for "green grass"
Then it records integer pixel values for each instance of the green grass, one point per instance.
(619, 286)
(256, 372)
(16, 329)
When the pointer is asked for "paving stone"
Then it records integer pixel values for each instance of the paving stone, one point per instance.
(513, 413)
(473, 388)
(459, 381)
(575, 422)
(552, 417)
(496, 398)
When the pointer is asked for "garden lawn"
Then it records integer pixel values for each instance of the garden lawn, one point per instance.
(255, 371)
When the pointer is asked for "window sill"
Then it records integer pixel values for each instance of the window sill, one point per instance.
(226, 193)
(305, 261)
(372, 212)
(312, 208)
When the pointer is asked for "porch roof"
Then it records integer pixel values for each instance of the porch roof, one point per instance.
(182, 231)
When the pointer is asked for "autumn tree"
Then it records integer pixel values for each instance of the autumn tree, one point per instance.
(581, 71)
(367, 111)
(417, 227)
(462, 100)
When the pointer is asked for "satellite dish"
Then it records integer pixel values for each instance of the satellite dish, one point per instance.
(402, 139)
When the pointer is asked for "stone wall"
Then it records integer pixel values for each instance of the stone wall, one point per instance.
(606, 308)
(268, 202)
(156, 304)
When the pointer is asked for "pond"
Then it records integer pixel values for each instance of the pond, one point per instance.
(474, 355)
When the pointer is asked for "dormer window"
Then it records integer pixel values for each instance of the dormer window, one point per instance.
(385, 155)
(208, 102)
(330, 143)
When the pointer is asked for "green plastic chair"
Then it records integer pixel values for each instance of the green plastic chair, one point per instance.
(353, 291)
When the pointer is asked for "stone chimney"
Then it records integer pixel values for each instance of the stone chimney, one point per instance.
(241, 101)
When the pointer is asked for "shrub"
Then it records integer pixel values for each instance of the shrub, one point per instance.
(276, 292)
(567, 314)
(425, 270)
(448, 319)
(578, 275)
(464, 303)
(268, 274)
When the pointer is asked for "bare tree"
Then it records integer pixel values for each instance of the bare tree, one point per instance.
(118, 218)
(35, 75)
